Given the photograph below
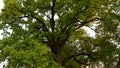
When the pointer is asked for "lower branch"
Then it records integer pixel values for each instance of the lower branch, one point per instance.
(76, 55)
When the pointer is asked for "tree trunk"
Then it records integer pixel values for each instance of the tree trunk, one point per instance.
(56, 45)
(57, 51)
(58, 57)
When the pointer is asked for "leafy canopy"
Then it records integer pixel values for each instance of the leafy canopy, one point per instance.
(49, 33)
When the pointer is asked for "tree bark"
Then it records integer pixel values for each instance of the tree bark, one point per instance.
(57, 52)
(58, 56)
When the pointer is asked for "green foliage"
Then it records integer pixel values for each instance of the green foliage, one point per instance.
(26, 54)
(49, 33)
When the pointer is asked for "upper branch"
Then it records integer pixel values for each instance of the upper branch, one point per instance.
(34, 16)
(86, 22)
(43, 24)
(52, 22)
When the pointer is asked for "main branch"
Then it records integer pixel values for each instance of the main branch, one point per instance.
(52, 22)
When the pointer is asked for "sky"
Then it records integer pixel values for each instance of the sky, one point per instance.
(1, 6)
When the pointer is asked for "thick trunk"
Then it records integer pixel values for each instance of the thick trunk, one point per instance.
(57, 51)
(58, 57)
(56, 45)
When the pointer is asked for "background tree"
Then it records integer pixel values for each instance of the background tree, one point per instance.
(38, 33)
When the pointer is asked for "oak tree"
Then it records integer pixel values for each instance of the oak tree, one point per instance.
(49, 33)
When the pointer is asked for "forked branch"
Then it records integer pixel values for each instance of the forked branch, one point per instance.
(86, 22)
